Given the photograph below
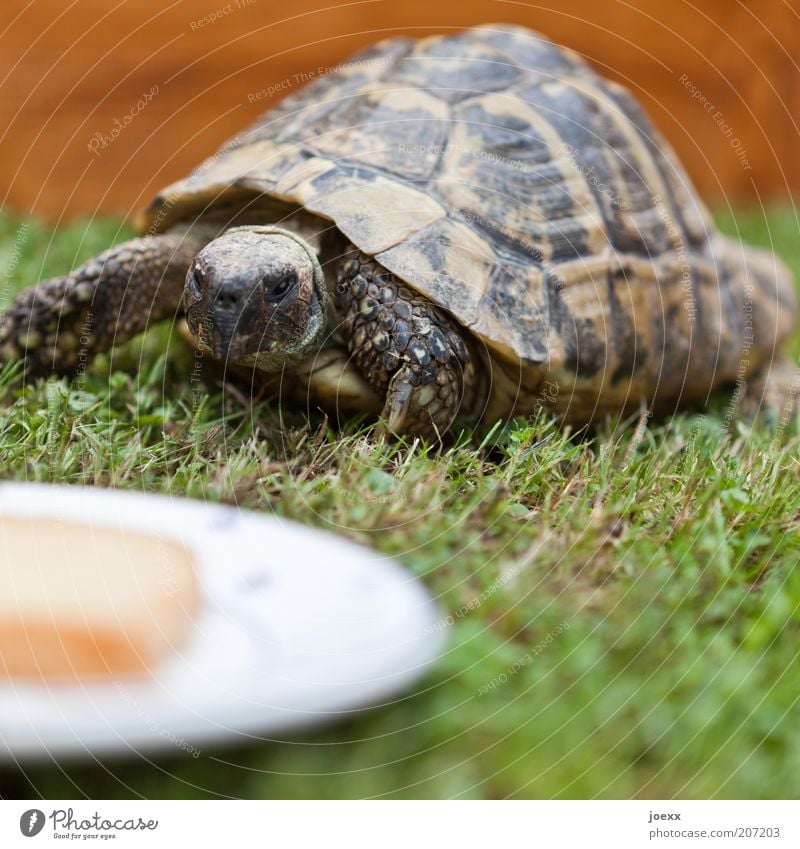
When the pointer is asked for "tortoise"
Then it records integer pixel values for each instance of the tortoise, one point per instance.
(473, 223)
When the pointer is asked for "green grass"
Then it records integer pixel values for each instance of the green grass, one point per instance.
(625, 608)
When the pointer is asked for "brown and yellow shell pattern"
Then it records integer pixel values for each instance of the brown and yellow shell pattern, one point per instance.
(503, 179)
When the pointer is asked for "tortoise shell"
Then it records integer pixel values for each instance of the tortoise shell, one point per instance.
(506, 181)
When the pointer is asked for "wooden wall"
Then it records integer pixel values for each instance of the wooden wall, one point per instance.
(70, 71)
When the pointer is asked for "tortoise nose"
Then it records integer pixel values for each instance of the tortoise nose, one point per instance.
(225, 323)
(228, 299)
(227, 316)
(228, 305)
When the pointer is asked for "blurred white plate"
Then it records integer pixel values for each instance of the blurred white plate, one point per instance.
(296, 626)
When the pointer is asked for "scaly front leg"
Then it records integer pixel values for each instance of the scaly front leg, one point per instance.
(60, 323)
(410, 352)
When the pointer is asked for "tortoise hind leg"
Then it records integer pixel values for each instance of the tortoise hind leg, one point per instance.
(60, 324)
(409, 351)
(763, 317)
(771, 394)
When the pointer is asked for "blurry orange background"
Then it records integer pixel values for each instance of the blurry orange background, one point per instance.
(75, 72)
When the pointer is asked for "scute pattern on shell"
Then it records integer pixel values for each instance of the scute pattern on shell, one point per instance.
(506, 181)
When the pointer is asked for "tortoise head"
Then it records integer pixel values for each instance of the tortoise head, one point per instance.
(256, 296)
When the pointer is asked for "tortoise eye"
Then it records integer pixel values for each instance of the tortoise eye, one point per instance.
(278, 287)
(194, 285)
